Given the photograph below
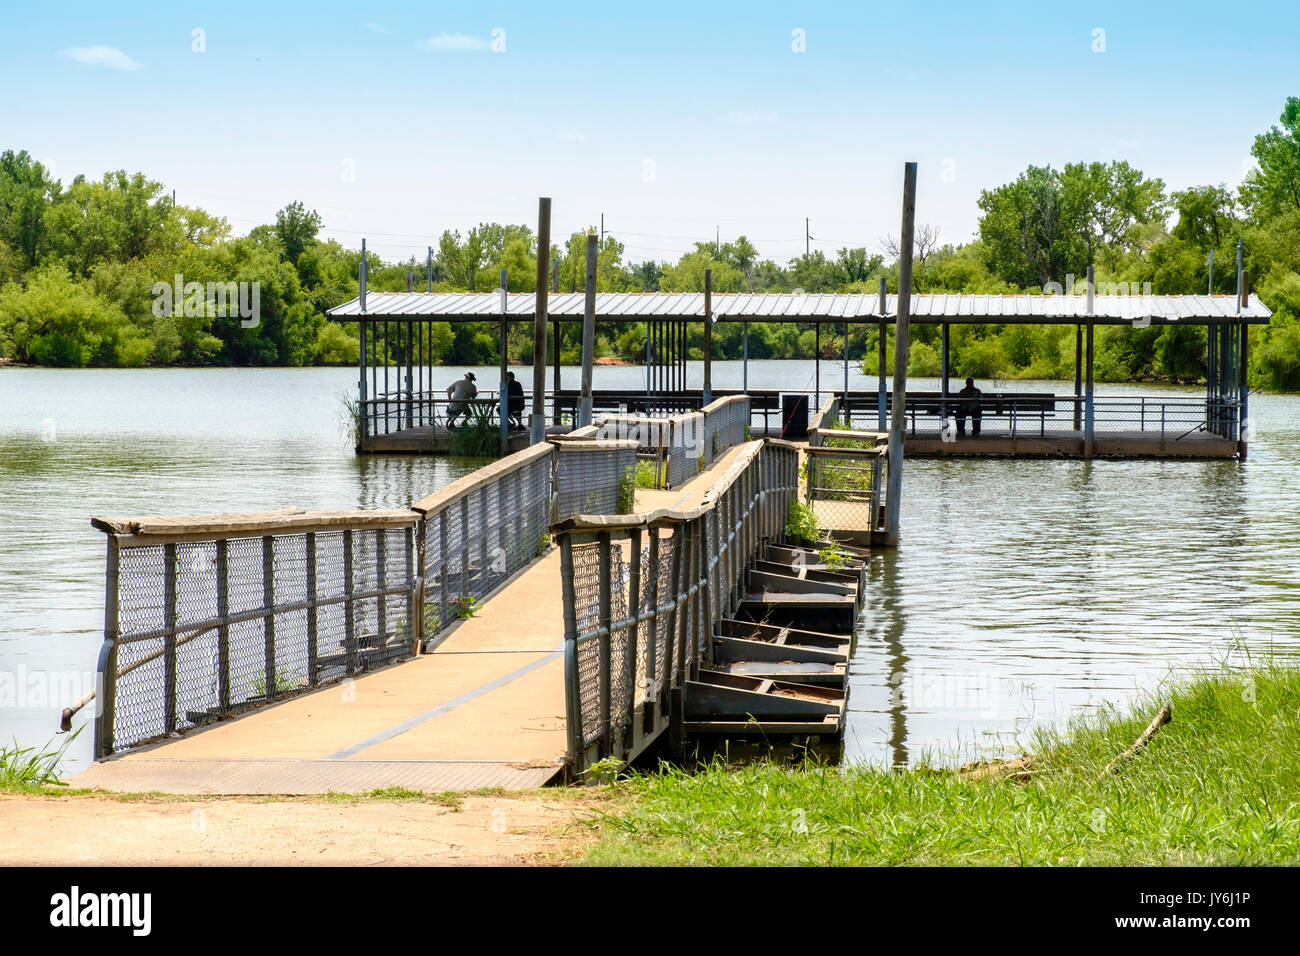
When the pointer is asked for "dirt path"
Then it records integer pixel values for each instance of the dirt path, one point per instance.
(518, 830)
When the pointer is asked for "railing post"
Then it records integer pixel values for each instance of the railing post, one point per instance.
(605, 639)
(268, 603)
(223, 629)
(444, 586)
(464, 547)
(349, 616)
(381, 583)
(313, 652)
(629, 658)
(169, 639)
(414, 582)
(107, 666)
(652, 636)
(572, 705)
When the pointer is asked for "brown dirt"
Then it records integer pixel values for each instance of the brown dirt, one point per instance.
(530, 829)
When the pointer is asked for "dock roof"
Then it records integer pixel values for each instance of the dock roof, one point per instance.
(829, 308)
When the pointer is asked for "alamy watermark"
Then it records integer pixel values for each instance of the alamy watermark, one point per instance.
(220, 300)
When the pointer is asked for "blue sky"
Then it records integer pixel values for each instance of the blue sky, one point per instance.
(398, 120)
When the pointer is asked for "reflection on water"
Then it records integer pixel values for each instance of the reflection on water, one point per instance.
(1023, 592)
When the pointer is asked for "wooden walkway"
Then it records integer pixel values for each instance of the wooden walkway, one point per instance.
(485, 709)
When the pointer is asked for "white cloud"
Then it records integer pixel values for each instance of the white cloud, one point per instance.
(749, 118)
(108, 56)
(453, 43)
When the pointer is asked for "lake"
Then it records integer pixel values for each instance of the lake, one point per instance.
(1024, 592)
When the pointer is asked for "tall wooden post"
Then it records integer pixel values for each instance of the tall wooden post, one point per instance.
(894, 494)
(880, 394)
(588, 333)
(1089, 413)
(503, 394)
(538, 421)
(708, 336)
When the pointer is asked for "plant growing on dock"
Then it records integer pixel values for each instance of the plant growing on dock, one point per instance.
(543, 542)
(466, 606)
(604, 770)
(833, 557)
(285, 680)
(647, 473)
(627, 491)
(479, 437)
(25, 768)
(801, 524)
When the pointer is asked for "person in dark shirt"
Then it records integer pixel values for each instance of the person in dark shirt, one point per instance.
(515, 401)
(969, 405)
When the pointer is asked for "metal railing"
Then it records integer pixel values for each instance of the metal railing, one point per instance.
(642, 593)
(205, 617)
(477, 531)
(1040, 416)
(689, 443)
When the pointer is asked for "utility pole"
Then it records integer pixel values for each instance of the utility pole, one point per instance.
(538, 422)
(893, 499)
(807, 238)
(602, 228)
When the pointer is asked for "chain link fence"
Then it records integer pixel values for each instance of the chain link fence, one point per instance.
(206, 617)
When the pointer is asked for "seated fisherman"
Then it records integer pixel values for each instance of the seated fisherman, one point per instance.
(515, 400)
(969, 405)
(460, 392)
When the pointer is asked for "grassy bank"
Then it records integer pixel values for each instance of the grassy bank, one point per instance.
(1220, 784)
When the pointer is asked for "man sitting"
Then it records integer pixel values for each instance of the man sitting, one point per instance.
(515, 401)
(969, 405)
(460, 392)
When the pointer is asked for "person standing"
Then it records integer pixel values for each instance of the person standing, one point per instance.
(969, 405)
(515, 400)
(460, 392)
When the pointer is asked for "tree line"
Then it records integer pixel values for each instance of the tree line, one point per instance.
(78, 264)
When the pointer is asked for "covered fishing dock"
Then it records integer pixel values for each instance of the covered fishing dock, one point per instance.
(402, 410)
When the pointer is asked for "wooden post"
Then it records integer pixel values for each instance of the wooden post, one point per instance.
(1089, 413)
(555, 359)
(817, 365)
(313, 670)
(107, 668)
(169, 625)
(223, 630)
(503, 396)
(884, 331)
(901, 333)
(745, 361)
(538, 431)
(268, 605)
(588, 334)
(708, 336)
(944, 371)
(1243, 387)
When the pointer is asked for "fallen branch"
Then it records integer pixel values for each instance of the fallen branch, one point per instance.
(1165, 715)
(1022, 768)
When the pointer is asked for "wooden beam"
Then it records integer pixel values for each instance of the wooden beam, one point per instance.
(893, 496)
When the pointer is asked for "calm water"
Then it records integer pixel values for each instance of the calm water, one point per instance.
(1024, 591)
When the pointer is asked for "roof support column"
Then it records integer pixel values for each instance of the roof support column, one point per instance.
(943, 372)
(1078, 375)
(503, 396)
(880, 395)
(1089, 413)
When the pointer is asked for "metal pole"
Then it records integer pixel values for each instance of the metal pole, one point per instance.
(588, 334)
(846, 368)
(503, 395)
(1078, 375)
(555, 357)
(943, 371)
(1210, 284)
(893, 499)
(538, 431)
(708, 336)
(428, 267)
(1243, 387)
(817, 366)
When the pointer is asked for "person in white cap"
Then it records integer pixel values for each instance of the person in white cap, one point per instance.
(460, 392)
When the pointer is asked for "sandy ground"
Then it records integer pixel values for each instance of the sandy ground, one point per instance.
(516, 830)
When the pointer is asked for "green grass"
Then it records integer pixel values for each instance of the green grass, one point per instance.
(1220, 785)
(24, 769)
(647, 473)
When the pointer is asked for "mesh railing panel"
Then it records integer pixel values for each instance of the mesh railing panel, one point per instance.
(208, 628)
(475, 542)
(594, 478)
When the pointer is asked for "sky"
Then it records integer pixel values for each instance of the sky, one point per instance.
(679, 122)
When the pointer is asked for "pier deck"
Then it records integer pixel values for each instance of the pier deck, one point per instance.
(485, 709)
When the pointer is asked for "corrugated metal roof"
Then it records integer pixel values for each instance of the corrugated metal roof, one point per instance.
(782, 306)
